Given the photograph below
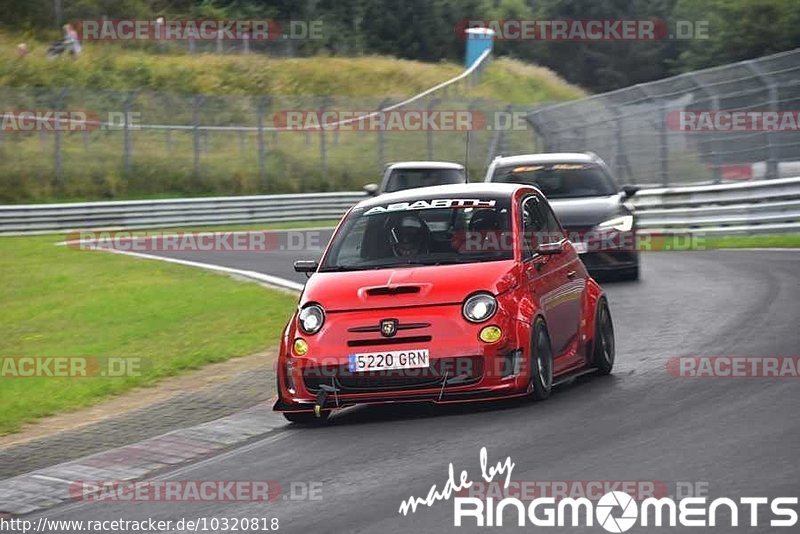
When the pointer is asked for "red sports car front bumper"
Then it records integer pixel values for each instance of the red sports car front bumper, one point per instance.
(462, 367)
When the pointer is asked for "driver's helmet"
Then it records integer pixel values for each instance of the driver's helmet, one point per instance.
(409, 236)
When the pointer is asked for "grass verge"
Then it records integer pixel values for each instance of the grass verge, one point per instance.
(58, 301)
(681, 242)
(754, 241)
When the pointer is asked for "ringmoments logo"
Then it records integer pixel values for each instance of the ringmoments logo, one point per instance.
(615, 511)
(605, 509)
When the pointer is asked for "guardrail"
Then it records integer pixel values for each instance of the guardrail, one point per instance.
(141, 214)
(755, 207)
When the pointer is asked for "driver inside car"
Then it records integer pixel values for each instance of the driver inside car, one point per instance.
(409, 236)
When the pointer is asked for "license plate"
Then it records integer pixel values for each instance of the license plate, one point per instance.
(384, 361)
(580, 247)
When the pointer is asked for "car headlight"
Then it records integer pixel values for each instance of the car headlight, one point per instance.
(479, 307)
(622, 224)
(311, 318)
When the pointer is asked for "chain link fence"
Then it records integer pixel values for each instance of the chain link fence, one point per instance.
(154, 144)
(146, 144)
(647, 132)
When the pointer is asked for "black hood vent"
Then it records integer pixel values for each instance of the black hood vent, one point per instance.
(391, 291)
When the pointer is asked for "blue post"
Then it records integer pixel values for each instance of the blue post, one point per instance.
(479, 40)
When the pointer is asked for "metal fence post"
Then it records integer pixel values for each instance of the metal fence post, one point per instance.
(660, 124)
(714, 145)
(541, 141)
(242, 148)
(622, 166)
(57, 155)
(127, 139)
(197, 101)
(713, 152)
(432, 104)
(663, 145)
(263, 103)
(468, 141)
(772, 90)
(323, 149)
(382, 137)
(496, 144)
(323, 155)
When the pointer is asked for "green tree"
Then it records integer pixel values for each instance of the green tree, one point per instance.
(738, 30)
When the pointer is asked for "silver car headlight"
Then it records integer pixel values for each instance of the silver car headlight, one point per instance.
(622, 224)
(311, 318)
(479, 307)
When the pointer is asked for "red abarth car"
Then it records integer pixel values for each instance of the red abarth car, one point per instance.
(442, 294)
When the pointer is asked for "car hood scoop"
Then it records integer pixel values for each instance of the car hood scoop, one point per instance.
(407, 286)
(392, 290)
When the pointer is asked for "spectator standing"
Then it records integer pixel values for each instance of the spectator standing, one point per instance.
(71, 41)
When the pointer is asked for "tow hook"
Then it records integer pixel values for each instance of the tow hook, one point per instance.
(322, 396)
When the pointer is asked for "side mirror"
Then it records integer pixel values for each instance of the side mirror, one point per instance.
(630, 190)
(371, 189)
(306, 266)
(549, 249)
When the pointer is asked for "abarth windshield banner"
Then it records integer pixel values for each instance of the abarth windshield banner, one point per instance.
(433, 204)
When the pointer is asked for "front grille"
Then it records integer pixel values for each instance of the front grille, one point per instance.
(459, 371)
(377, 327)
(388, 341)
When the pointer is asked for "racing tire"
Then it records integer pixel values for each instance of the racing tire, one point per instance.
(307, 418)
(603, 347)
(541, 362)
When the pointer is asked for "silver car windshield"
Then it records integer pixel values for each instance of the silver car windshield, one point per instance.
(402, 179)
(560, 180)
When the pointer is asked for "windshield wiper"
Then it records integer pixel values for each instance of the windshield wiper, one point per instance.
(408, 263)
(471, 259)
(339, 268)
(343, 268)
(412, 263)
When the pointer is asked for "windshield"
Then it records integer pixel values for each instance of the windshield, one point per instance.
(401, 179)
(420, 233)
(560, 180)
